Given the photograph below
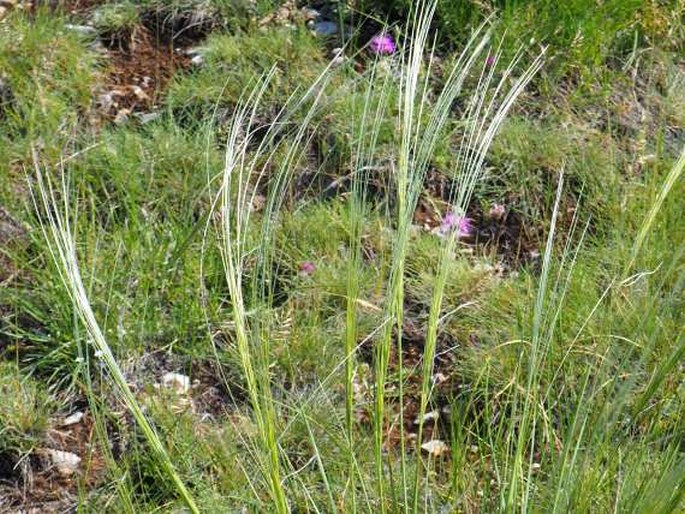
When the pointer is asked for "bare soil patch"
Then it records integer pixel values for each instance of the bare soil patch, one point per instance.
(34, 483)
(446, 383)
(138, 74)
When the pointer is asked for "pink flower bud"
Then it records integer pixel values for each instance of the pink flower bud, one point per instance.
(307, 268)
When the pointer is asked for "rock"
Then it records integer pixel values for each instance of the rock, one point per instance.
(84, 30)
(197, 55)
(435, 447)
(439, 378)
(147, 117)
(97, 46)
(176, 381)
(76, 417)
(122, 116)
(139, 93)
(310, 14)
(497, 211)
(66, 463)
(428, 417)
(325, 28)
(338, 56)
(105, 102)
(6, 6)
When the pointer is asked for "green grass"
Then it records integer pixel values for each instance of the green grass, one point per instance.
(553, 356)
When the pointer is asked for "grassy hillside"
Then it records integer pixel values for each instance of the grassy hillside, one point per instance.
(341, 256)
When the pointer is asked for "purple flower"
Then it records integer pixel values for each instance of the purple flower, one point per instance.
(307, 268)
(490, 60)
(453, 223)
(382, 44)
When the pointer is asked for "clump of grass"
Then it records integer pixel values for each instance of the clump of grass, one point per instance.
(23, 413)
(555, 369)
(233, 61)
(116, 23)
(180, 21)
(581, 35)
(421, 125)
(50, 73)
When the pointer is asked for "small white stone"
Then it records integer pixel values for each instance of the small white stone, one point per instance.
(143, 118)
(84, 30)
(140, 94)
(105, 101)
(122, 116)
(439, 378)
(435, 447)
(66, 462)
(310, 14)
(427, 417)
(177, 382)
(76, 417)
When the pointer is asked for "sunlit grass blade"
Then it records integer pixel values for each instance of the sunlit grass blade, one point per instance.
(57, 224)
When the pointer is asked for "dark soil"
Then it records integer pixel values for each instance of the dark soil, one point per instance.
(32, 483)
(211, 398)
(139, 73)
(180, 28)
(514, 240)
(413, 342)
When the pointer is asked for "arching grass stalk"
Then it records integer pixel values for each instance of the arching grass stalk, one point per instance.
(483, 119)
(57, 223)
(671, 179)
(243, 174)
(420, 125)
(407, 180)
(363, 159)
(618, 394)
(526, 429)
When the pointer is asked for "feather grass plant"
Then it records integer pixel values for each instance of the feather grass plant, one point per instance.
(243, 174)
(420, 123)
(57, 221)
(606, 394)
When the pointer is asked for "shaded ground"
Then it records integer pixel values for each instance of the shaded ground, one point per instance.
(35, 483)
(139, 73)
(445, 379)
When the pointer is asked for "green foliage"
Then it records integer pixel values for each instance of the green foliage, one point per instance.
(24, 411)
(116, 17)
(582, 34)
(235, 62)
(232, 15)
(50, 74)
